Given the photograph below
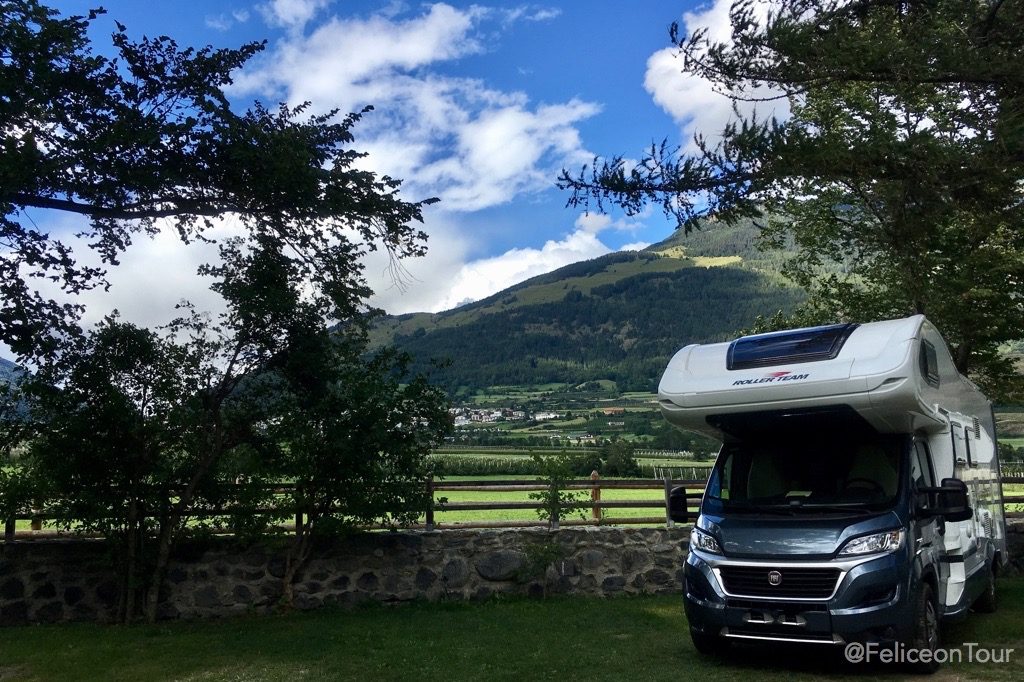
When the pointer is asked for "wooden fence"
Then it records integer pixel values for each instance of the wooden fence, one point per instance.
(1013, 504)
(596, 506)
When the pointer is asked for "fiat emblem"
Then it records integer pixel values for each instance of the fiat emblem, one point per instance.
(774, 578)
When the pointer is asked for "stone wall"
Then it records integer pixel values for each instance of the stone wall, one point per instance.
(49, 581)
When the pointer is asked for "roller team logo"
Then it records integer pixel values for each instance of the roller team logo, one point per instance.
(771, 378)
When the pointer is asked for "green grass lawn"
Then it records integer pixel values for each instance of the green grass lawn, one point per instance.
(639, 638)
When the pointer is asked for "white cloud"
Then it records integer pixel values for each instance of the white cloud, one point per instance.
(456, 138)
(291, 14)
(545, 14)
(532, 13)
(481, 278)
(593, 222)
(598, 222)
(693, 102)
(634, 246)
(220, 22)
(153, 276)
(226, 20)
(423, 281)
(344, 61)
(449, 276)
(507, 151)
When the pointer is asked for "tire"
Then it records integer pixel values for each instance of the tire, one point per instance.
(926, 629)
(987, 602)
(709, 645)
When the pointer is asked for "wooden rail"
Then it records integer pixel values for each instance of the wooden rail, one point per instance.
(596, 505)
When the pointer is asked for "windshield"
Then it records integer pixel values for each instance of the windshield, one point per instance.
(827, 474)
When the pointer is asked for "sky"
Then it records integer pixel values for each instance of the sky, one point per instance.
(480, 105)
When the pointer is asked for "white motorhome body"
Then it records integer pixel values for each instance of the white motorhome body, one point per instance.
(879, 370)
(897, 376)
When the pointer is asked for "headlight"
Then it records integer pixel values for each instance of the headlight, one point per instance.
(704, 542)
(888, 541)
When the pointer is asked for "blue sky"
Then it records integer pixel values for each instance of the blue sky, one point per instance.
(479, 104)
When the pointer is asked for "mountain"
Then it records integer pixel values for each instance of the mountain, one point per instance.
(9, 374)
(618, 317)
(8, 370)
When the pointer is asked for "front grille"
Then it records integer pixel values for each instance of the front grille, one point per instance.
(793, 608)
(798, 583)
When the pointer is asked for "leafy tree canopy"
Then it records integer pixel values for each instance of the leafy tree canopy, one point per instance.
(150, 134)
(902, 160)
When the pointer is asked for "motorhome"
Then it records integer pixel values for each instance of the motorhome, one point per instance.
(856, 497)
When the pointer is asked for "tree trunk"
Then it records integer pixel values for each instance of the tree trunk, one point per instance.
(164, 542)
(169, 526)
(129, 587)
(296, 558)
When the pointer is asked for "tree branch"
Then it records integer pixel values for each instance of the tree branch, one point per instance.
(131, 212)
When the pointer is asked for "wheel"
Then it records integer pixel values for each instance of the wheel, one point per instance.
(987, 602)
(926, 630)
(709, 645)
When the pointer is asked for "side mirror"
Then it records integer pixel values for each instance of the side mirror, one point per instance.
(677, 507)
(951, 501)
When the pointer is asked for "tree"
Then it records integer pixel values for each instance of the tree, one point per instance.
(151, 135)
(619, 459)
(902, 162)
(354, 440)
(556, 500)
(114, 440)
(142, 434)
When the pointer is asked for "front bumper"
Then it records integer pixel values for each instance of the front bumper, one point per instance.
(870, 602)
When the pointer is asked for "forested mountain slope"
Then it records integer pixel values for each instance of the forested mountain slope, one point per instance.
(619, 317)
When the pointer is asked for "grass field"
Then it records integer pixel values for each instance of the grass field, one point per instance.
(639, 638)
(530, 515)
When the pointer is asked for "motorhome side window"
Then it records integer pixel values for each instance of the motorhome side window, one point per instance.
(921, 473)
(929, 363)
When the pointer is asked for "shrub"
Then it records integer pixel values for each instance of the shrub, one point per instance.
(619, 459)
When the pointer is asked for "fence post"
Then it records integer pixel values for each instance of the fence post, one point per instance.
(37, 523)
(430, 501)
(668, 494)
(595, 495)
(9, 527)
